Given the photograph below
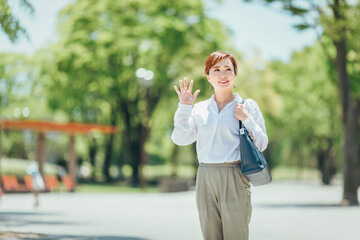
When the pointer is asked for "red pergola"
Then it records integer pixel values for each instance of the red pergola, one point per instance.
(43, 127)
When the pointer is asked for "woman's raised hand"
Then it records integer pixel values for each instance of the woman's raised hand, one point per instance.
(185, 95)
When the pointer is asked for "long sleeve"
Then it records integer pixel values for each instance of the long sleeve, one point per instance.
(255, 125)
(185, 131)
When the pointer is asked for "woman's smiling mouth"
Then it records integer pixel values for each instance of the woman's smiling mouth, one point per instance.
(223, 82)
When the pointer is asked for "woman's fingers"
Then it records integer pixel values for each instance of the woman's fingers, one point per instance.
(196, 93)
(191, 86)
(184, 93)
(181, 85)
(177, 90)
(240, 106)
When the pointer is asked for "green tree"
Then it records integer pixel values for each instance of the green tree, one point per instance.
(103, 43)
(335, 18)
(10, 25)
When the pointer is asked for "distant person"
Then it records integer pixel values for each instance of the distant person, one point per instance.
(37, 182)
(223, 194)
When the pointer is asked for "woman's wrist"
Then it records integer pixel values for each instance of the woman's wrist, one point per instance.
(186, 103)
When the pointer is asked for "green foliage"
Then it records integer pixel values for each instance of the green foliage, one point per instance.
(90, 72)
(103, 46)
(16, 79)
(353, 54)
(308, 122)
(21, 92)
(9, 23)
(302, 26)
(337, 20)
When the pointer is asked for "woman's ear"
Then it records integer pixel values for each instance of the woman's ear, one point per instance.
(208, 77)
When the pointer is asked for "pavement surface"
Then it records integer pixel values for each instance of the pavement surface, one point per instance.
(281, 211)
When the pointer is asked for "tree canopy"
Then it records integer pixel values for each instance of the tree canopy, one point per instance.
(9, 23)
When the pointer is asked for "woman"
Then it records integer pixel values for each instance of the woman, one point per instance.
(222, 192)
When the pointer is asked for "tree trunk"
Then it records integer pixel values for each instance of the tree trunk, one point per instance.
(108, 156)
(92, 156)
(350, 151)
(108, 150)
(175, 161)
(143, 155)
(135, 162)
(0, 160)
(132, 141)
(358, 125)
(326, 163)
(349, 114)
(120, 164)
(349, 119)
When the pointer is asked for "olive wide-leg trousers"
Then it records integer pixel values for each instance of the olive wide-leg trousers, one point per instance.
(223, 200)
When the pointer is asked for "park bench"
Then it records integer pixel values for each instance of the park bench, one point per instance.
(28, 181)
(11, 184)
(68, 182)
(51, 182)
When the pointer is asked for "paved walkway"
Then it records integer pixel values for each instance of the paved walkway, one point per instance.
(281, 211)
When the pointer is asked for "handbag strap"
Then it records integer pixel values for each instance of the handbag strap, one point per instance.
(241, 102)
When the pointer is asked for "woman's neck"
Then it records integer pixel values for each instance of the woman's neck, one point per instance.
(222, 98)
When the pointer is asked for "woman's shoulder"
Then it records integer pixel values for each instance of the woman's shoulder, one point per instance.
(251, 104)
(201, 104)
(249, 101)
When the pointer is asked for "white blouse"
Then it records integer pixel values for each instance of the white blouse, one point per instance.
(217, 133)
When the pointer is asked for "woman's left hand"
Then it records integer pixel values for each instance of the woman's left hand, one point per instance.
(240, 112)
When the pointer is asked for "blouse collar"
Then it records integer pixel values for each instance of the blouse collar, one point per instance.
(236, 95)
(237, 99)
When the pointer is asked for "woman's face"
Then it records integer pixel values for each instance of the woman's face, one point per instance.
(222, 74)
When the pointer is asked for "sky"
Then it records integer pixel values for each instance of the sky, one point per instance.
(256, 28)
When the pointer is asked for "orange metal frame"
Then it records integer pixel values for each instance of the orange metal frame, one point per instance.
(43, 127)
(58, 127)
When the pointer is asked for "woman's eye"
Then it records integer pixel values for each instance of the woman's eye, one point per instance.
(229, 69)
(216, 70)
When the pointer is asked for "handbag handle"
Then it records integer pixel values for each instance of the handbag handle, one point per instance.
(241, 102)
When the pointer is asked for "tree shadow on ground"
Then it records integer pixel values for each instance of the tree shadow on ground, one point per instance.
(18, 219)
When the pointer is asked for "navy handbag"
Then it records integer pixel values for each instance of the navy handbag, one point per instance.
(253, 162)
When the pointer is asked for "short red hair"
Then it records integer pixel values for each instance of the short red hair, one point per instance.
(216, 57)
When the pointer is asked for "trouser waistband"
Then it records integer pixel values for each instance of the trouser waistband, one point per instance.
(224, 164)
